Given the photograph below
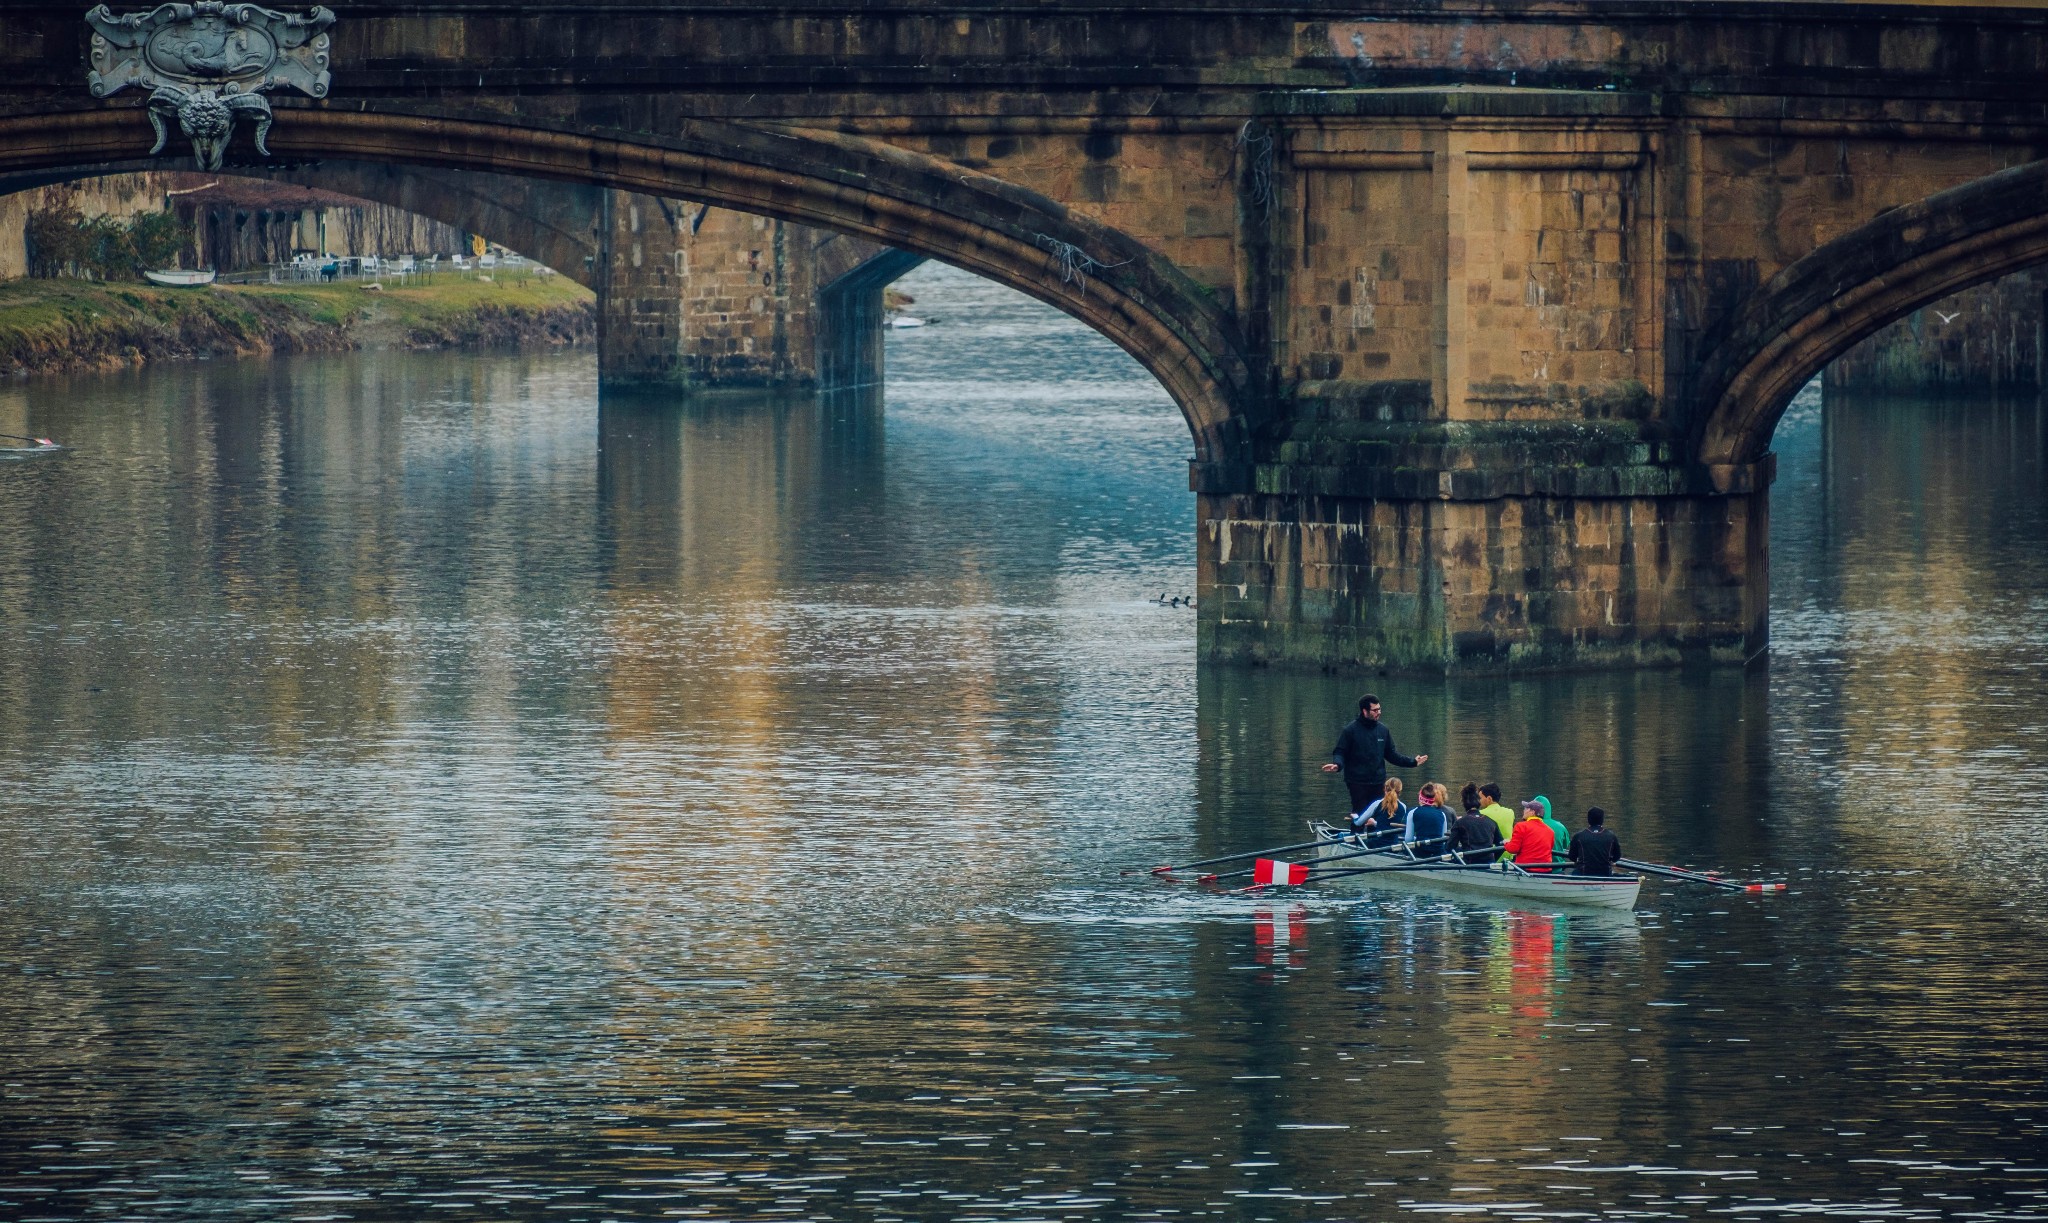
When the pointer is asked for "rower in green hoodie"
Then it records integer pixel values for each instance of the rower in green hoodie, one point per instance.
(1562, 838)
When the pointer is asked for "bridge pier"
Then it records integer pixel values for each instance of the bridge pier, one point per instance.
(1481, 454)
(1540, 578)
(851, 317)
(696, 297)
(709, 299)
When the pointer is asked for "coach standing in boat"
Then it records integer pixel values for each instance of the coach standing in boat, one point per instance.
(1364, 751)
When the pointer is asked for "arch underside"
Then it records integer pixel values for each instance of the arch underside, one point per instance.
(553, 225)
(556, 222)
(909, 201)
(1823, 305)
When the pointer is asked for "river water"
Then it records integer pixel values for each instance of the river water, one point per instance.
(423, 794)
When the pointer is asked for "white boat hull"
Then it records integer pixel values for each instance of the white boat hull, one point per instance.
(180, 277)
(1611, 892)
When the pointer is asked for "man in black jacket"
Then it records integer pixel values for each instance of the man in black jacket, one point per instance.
(1593, 848)
(1363, 752)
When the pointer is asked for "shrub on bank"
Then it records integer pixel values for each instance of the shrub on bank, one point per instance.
(62, 242)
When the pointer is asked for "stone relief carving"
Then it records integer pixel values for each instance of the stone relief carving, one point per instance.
(207, 64)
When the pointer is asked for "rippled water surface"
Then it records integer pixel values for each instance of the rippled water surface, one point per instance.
(425, 794)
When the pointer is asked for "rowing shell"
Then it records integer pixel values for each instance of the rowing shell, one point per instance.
(1503, 881)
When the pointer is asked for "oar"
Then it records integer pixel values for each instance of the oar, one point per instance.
(40, 441)
(1354, 853)
(1316, 876)
(1256, 853)
(1686, 876)
(1388, 850)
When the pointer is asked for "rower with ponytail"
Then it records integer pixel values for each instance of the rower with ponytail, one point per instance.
(1384, 820)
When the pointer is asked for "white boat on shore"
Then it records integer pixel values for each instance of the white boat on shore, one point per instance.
(180, 277)
(1396, 871)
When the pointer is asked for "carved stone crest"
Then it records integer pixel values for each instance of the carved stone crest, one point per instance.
(207, 63)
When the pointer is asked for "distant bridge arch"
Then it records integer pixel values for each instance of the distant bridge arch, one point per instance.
(906, 200)
(1819, 307)
(553, 226)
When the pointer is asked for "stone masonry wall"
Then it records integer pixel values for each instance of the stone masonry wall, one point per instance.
(701, 296)
(1519, 582)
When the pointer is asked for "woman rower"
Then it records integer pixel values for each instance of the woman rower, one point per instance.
(1428, 821)
(1384, 819)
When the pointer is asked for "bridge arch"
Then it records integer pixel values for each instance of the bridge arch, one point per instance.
(1819, 307)
(545, 228)
(911, 201)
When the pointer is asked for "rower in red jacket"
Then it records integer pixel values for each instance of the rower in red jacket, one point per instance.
(1532, 844)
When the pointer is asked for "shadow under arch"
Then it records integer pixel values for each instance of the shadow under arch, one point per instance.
(1819, 307)
(911, 201)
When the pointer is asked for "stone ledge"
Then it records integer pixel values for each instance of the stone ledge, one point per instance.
(1459, 100)
(1475, 461)
(1438, 482)
(1264, 642)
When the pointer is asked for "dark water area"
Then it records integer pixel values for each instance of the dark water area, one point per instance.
(424, 793)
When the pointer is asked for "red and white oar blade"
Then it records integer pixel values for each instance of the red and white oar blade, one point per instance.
(1271, 872)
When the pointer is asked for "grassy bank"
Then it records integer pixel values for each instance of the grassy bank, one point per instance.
(47, 326)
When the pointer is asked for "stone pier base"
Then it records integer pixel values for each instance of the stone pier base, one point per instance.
(851, 315)
(708, 299)
(1625, 565)
(698, 297)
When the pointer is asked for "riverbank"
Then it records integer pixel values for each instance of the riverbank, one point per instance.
(59, 326)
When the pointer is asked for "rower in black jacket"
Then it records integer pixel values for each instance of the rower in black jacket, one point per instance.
(1364, 751)
(1594, 848)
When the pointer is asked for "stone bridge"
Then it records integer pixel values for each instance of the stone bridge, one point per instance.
(1480, 316)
